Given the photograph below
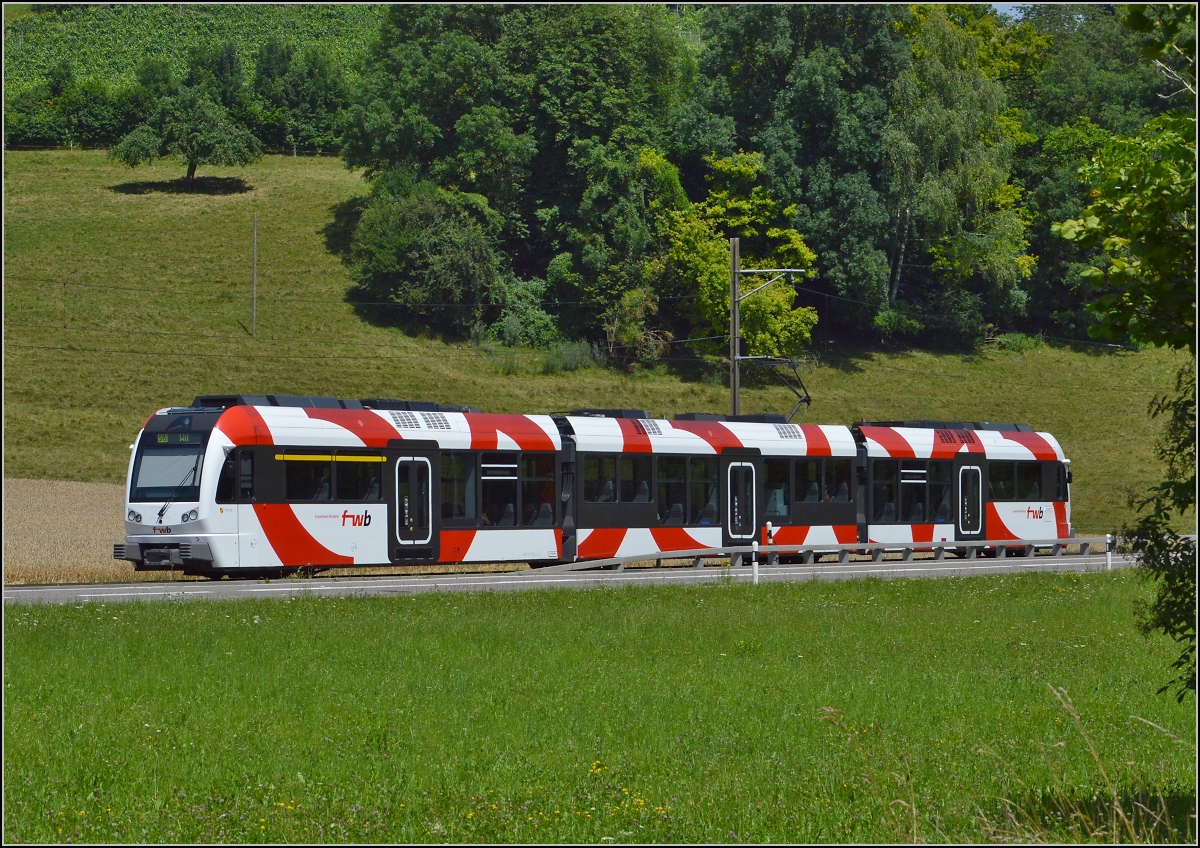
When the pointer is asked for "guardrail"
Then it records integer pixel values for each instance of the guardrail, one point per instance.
(808, 553)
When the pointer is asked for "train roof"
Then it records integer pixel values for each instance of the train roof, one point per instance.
(383, 422)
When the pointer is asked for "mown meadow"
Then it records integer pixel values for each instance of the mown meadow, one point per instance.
(830, 712)
(124, 294)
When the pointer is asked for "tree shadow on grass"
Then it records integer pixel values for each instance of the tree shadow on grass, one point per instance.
(212, 186)
(339, 231)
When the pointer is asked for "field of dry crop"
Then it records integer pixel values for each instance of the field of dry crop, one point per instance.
(63, 532)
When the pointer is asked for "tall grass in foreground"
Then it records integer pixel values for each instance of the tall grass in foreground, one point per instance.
(831, 712)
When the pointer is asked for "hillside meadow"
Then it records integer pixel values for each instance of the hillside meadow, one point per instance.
(125, 294)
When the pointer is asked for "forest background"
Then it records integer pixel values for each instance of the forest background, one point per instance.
(546, 174)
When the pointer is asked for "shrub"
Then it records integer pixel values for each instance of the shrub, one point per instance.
(570, 356)
(1018, 342)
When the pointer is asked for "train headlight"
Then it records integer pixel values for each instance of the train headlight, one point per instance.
(134, 517)
(193, 515)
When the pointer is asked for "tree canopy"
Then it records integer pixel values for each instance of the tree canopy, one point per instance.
(920, 153)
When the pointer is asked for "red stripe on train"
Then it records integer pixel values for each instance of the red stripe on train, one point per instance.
(896, 445)
(602, 543)
(636, 440)
(292, 542)
(1037, 444)
(244, 426)
(674, 539)
(454, 544)
(1060, 519)
(713, 432)
(996, 528)
(372, 428)
(485, 426)
(818, 442)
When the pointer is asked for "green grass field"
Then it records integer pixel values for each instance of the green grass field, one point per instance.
(832, 712)
(123, 295)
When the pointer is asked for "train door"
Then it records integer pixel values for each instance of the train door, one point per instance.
(251, 546)
(741, 491)
(970, 502)
(414, 534)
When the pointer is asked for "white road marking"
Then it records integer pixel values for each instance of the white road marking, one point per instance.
(413, 584)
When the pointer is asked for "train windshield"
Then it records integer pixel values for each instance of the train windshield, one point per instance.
(169, 471)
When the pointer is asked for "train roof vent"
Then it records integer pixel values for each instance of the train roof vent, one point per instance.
(306, 401)
(609, 413)
(226, 401)
(404, 405)
(699, 416)
(760, 418)
(994, 425)
(920, 424)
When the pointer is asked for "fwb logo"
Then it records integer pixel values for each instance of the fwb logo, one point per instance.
(1038, 513)
(355, 519)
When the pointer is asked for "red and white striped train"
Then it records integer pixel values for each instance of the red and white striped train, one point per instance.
(252, 485)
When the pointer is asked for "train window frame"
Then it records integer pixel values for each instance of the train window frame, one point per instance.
(640, 468)
(311, 459)
(246, 482)
(913, 491)
(470, 488)
(695, 513)
(808, 482)
(503, 472)
(343, 461)
(532, 514)
(227, 488)
(771, 478)
(605, 496)
(946, 480)
(666, 503)
(1025, 482)
(995, 478)
(875, 512)
(828, 481)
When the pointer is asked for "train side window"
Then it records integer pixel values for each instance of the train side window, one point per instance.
(246, 476)
(779, 485)
(703, 491)
(635, 478)
(837, 480)
(459, 490)
(1061, 477)
(599, 479)
(672, 489)
(308, 479)
(499, 478)
(1029, 478)
(226, 482)
(808, 481)
(940, 498)
(1001, 481)
(884, 479)
(359, 477)
(537, 489)
(913, 489)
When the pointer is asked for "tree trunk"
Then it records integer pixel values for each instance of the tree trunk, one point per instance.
(898, 268)
(191, 175)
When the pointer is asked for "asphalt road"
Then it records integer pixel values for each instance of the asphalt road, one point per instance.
(525, 580)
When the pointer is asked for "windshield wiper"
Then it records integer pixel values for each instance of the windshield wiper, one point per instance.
(178, 489)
